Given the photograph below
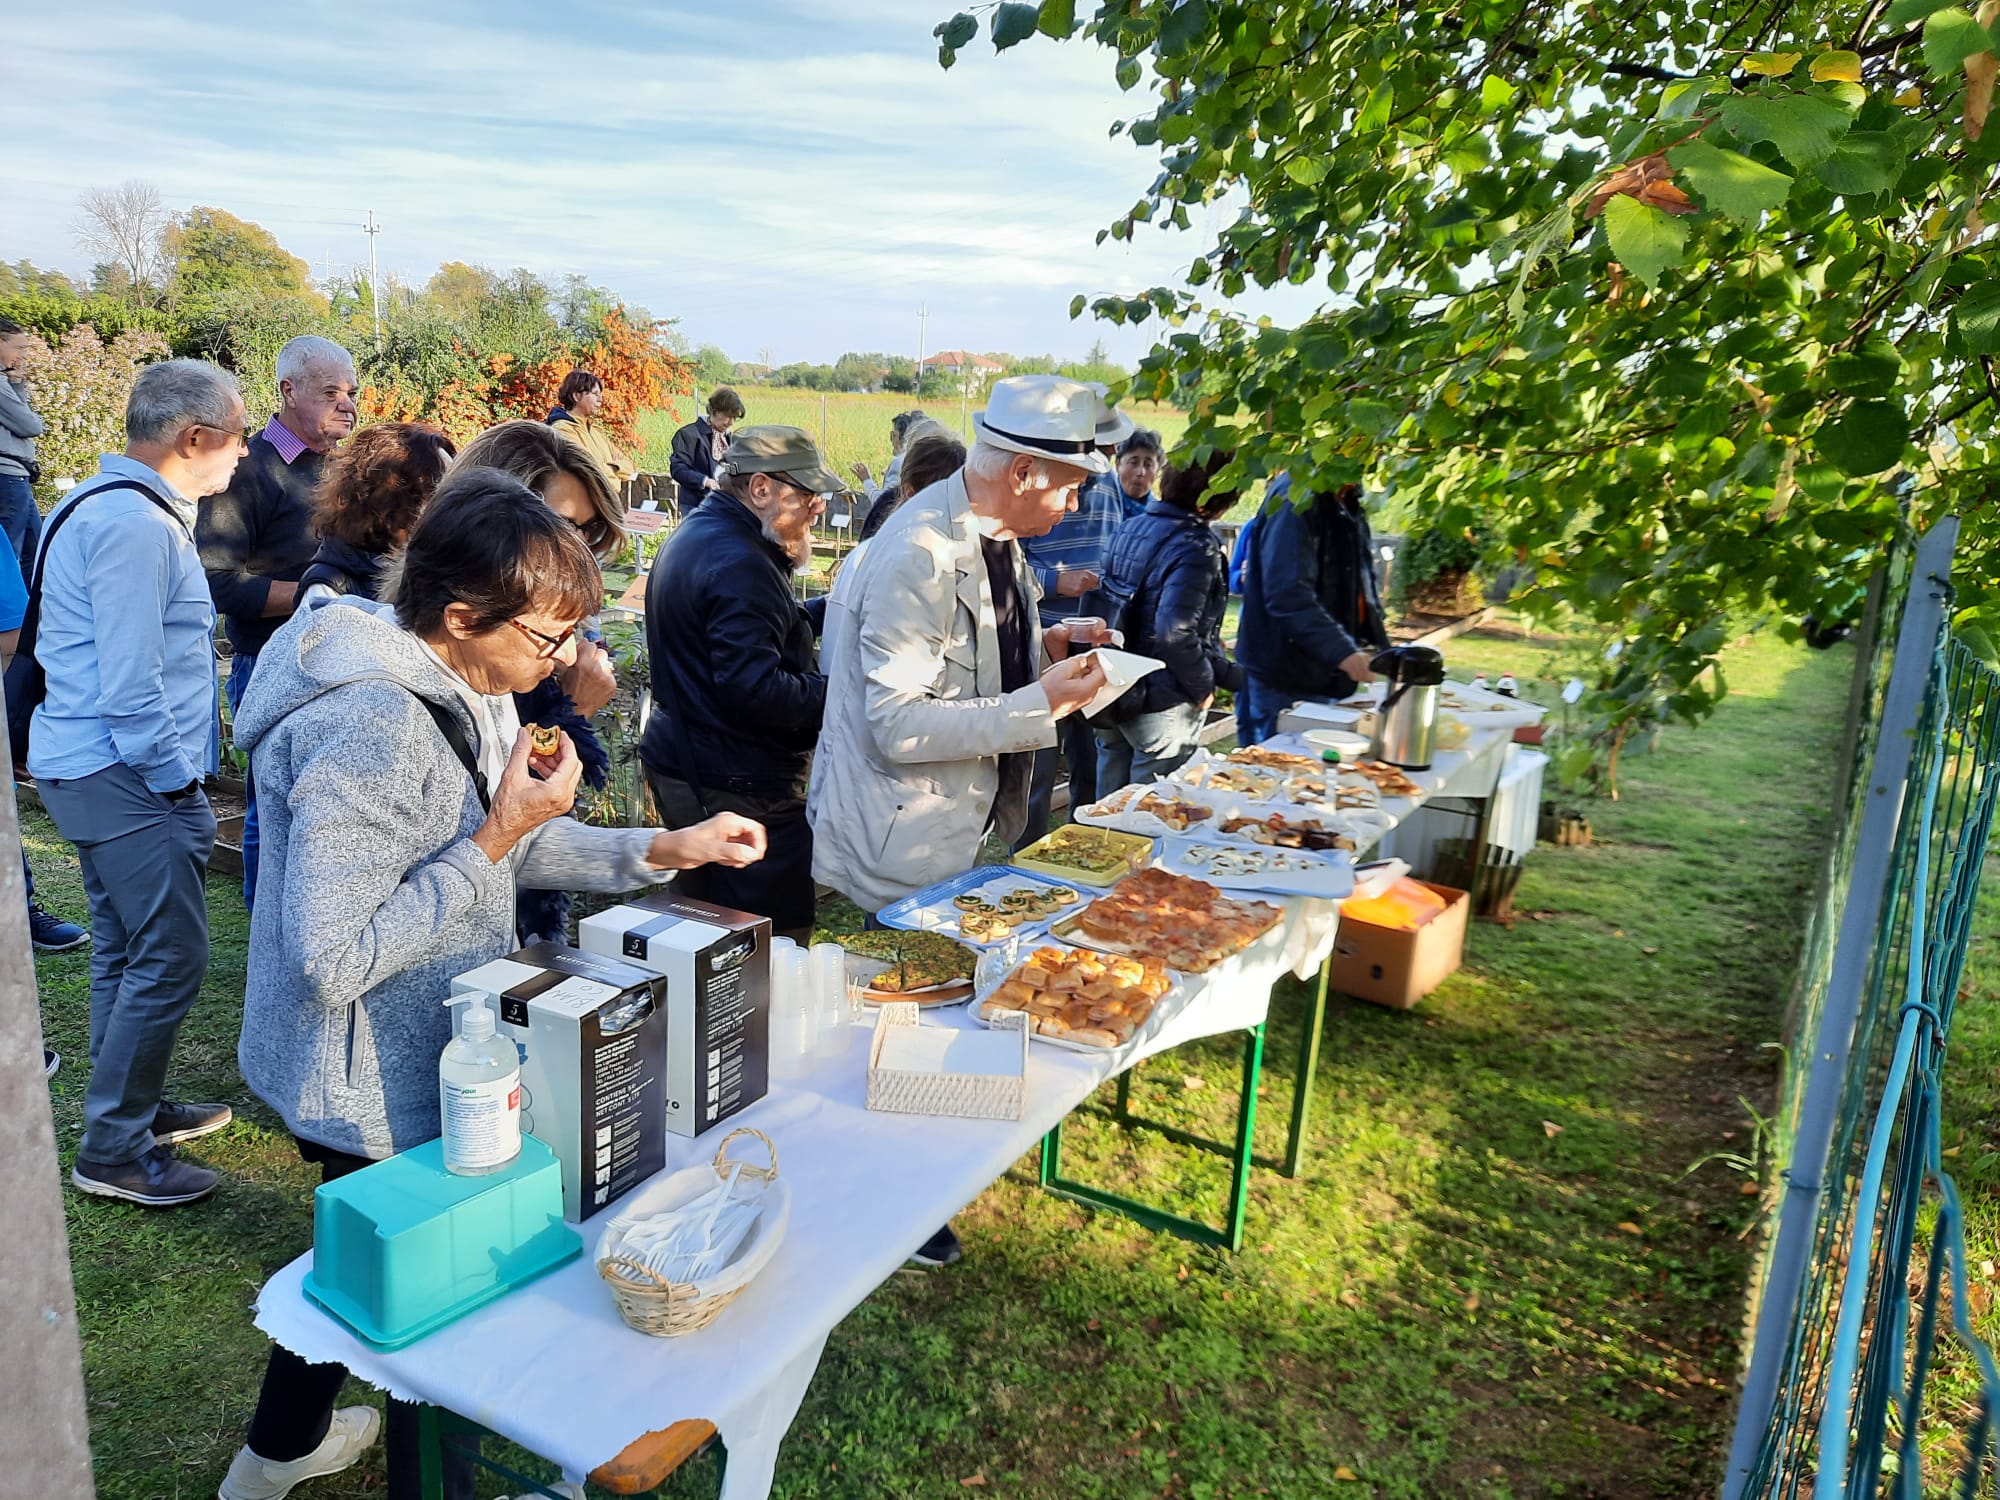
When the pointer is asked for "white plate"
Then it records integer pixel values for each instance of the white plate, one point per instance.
(1122, 669)
(997, 963)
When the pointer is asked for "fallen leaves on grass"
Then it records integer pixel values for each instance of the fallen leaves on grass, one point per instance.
(974, 1481)
(1749, 1190)
(1628, 1227)
(1472, 1303)
(1342, 1472)
(1551, 1129)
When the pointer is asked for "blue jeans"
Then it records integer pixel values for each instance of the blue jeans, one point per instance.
(143, 857)
(240, 668)
(20, 519)
(1146, 748)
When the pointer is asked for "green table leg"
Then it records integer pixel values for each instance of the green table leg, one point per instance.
(430, 1453)
(1230, 1235)
(1302, 1092)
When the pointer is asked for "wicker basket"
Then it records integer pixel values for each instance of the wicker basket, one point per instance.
(665, 1309)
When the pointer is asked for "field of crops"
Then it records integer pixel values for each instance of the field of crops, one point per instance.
(849, 427)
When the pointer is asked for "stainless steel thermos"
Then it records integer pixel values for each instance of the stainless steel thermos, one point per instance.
(1406, 723)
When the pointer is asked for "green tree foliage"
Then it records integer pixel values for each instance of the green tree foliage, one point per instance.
(713, 367)
(233, 289)
(26, 279)
(1685, 306)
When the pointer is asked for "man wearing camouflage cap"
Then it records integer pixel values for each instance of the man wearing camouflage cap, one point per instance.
(737, 690)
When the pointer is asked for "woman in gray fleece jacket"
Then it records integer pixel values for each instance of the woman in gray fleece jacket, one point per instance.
(385, 873)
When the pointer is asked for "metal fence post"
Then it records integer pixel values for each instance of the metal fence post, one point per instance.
(1909, 679)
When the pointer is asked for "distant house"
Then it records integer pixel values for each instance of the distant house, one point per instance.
(968, 371)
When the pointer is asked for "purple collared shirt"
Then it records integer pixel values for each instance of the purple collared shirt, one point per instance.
(288, 443)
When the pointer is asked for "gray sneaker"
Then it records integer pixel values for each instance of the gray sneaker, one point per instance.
(186, 1122)
(156, 1180)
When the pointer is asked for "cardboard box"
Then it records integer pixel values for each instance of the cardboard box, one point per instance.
(1395, 968)
(717, 964)
(592, 1034)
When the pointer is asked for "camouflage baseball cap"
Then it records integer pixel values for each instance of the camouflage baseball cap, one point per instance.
(789, 451)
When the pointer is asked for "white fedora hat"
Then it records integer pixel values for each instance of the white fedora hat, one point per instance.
(1046, 416)
(1113, 426)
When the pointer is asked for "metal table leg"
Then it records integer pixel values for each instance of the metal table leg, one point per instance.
(1311, 1030)
(1230, 1235)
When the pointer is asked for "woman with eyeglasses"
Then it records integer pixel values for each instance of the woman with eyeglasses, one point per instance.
(403, 804)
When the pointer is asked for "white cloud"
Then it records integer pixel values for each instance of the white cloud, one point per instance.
(775, 179)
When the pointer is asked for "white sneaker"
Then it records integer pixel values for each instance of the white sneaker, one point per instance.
(560, 1487)
(352, 1434)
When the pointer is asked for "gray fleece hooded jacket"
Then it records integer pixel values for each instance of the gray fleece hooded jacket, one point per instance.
(371, 893)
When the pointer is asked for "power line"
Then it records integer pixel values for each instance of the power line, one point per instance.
(374, 281)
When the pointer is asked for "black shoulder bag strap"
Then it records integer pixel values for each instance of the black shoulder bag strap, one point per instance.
(27, 684)
(454, 735)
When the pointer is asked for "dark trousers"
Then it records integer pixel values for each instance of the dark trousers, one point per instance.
(21, 520)
(240, 668)
(143, 857)
(295, 1407)
(1077, 742)
(778, 886)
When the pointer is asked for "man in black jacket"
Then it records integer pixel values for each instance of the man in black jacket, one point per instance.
(256, 537)
(1312, 614)
(737, 690)
(698, 445)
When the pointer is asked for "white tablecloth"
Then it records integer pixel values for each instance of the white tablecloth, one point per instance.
(552, 1367)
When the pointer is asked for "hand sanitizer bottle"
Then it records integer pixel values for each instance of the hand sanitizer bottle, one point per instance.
(479, 1093)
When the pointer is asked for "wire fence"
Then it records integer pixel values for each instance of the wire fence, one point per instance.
(1867, 1267)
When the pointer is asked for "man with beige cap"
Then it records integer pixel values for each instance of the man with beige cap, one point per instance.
(941, 685)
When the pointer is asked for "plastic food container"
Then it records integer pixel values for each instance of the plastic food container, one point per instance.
(1349, 744)
(404, 1247)
(1110, 855)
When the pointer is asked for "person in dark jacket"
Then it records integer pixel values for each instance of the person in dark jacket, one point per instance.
(255, 538)
(1312, 613)
(930, 452)
(1167, 566)
(368, 499)
(699, 445)
(737, 691)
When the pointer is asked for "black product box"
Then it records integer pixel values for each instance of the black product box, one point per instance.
(717, 965)
(593, 1039)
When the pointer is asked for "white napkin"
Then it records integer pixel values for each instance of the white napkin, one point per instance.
(1121, 670)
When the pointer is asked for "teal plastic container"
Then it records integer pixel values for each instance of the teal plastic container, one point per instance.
(403, 1247)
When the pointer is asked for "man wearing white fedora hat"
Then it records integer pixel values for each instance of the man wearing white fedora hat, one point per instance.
(940, 686)
(1068, 563)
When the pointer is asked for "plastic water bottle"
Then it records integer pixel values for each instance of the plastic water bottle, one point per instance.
(479, 1093)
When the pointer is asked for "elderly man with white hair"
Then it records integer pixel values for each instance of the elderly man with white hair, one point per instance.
(256, 537)
(941, 683)
(118, 746)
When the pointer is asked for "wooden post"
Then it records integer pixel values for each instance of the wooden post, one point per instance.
(44, 1427)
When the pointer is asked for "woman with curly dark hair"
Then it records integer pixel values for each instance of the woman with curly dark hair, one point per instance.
(368, 498)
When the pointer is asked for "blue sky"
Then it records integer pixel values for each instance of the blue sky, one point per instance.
(792, 177)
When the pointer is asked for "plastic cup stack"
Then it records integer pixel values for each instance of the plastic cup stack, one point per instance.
(792, 1011)
(829, 962)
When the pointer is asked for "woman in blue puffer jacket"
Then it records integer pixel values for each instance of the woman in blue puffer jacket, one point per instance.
(1167, 582)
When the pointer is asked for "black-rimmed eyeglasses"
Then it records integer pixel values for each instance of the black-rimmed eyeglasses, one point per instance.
(551, 644)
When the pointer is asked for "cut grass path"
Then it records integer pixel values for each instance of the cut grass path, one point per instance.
(1457, 1299)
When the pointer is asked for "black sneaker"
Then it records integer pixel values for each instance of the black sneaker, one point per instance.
(50, 933)
(185, 1122)
(51, 1060)
(157, 1180)
(941, 1249)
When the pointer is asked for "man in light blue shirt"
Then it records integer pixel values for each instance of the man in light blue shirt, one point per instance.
(119, 747)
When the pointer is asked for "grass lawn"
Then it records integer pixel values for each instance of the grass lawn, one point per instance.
(1502, 1275)
(848, 426)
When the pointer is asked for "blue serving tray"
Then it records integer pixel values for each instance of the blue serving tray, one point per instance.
(908, 914)
(403, 1247)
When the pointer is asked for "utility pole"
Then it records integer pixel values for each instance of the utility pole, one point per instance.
(923, 314)
(374, 281)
